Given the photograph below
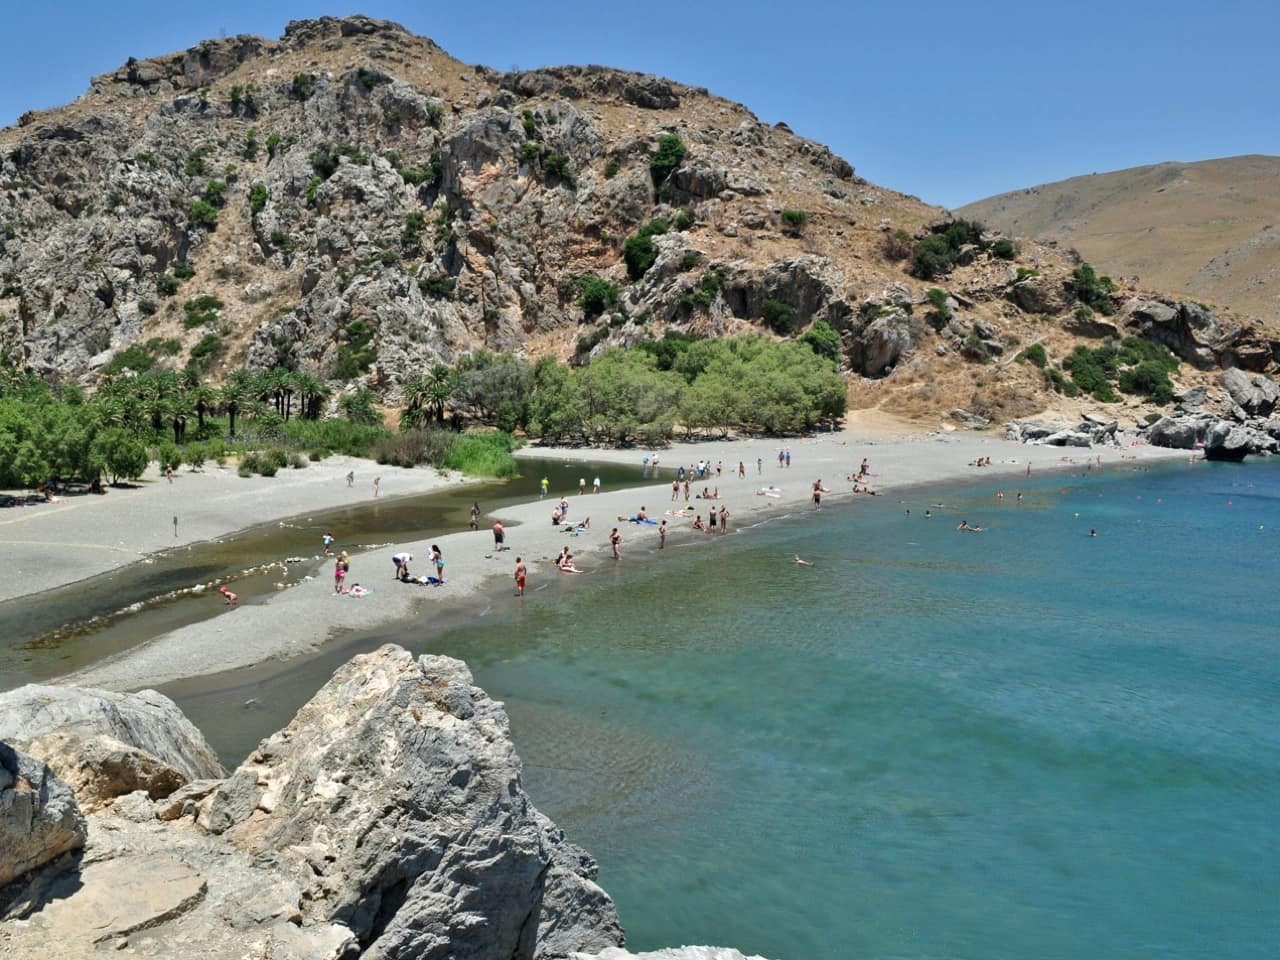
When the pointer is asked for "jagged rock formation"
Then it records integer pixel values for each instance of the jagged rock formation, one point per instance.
(353, 202)
(78, 723)
(39, 819)
(387, 820)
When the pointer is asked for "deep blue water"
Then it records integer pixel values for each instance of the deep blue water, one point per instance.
(1021, 743)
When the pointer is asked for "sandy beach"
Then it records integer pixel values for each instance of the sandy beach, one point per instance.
(301, 618)
(50, 544)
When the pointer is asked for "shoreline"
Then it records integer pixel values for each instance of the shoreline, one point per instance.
(305, 617)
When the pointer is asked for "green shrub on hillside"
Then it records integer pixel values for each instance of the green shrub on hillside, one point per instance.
(1092, 289)
(639, 251)
(202, 214)
(1035, 354)
(671, 151)
(778, 316)
(595, 295)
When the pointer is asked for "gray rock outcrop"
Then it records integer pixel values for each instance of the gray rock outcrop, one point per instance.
(1255, 395)
(148, 721)
(39, 819)
(393, 801)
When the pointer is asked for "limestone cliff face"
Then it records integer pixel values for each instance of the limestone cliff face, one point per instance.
(351, 187)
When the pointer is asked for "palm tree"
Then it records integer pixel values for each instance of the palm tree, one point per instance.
(204, 400)
(237, 393)
(416, 395)
(312, 392)
(441, 384)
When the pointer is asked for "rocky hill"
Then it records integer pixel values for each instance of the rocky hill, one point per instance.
(1205, 230)
(350, 201)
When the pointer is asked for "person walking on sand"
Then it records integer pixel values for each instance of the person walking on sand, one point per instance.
(543, 485)
(351, 478)
(327, 540)
(675, 489)
(499, 535)
(788, 458)
(582, 486)
(595, 485)
(781, 456)
(742, 470)
(759, 465)
(520, 576)
(662, 535)
(615, 540)
(376, 481)
(475, 515)
(724, 520)
(168, 471)
(686, 489)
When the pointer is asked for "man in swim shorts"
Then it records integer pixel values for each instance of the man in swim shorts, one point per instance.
(520, 577)
(499, 535)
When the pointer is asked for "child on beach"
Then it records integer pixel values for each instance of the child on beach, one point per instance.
(615, 540)
(662, 535)
(231, 598)
(327, 540)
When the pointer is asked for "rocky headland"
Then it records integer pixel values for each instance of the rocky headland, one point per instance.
(386, 820)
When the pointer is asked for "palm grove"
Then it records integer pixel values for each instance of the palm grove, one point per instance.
(279, 417)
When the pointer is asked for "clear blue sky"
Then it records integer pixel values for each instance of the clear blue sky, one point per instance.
(947, 100)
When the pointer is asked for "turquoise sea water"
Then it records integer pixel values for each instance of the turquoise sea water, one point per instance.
(1021, 743)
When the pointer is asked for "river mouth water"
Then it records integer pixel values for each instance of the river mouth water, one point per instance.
(58, 631)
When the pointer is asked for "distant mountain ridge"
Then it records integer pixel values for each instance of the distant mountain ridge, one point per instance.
(1208, 230)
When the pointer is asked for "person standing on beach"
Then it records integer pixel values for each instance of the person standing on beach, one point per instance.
(520, 577)
(582, 485)
(675, 489)
(615, 540)
(168, 472)
(759, 465)
(662, 535)
(351, 478)
(711, 520)
(327, 540)
(438, 559)
(545, 483)
(339, 572)
(376, 481)
(498, 536)
(475, 515)
(595, 485)
(724, 519)
(686, 489)
(788, 458)
(817, 494)
(742, 470)
(780, 456)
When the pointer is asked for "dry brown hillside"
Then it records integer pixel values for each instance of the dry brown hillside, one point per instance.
(1208, 230)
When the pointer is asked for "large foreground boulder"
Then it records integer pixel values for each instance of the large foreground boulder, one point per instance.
(393, 801)
(39, 819)
(148, 721)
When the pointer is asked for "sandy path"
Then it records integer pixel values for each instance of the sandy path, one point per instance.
(303, 617)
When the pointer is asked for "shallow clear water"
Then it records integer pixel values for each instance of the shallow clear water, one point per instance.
(1024, 742)
(1021, 743)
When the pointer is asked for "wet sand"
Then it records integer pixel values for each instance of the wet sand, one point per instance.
(301, 618)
